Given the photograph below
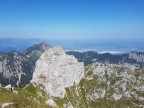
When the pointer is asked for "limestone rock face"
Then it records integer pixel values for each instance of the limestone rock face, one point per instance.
(11, 69)
(56, 70)
(17, 68)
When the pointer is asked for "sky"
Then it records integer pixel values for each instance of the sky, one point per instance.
(72, 19)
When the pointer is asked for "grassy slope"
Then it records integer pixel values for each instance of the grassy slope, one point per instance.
(20, 100)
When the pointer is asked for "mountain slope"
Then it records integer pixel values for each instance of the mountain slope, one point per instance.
(12, 67)
(18, 100)
(35, 51)
(102, 85)
(107, 86)
(17, 69)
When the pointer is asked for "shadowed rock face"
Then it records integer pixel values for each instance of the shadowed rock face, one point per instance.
(17, 68)
(137, 56)
(56, 70)
(37, 47)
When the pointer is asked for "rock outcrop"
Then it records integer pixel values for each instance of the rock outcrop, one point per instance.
(56, 70)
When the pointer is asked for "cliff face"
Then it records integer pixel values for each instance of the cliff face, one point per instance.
(56, 70)
(17, 68)
(11, 68)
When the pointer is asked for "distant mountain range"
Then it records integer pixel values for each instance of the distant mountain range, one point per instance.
(133, 58)
(16, 44)
(80, 45)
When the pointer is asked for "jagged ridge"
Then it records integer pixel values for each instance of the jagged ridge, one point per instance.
(17, 68)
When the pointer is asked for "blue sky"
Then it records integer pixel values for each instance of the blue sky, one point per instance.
(72, 19)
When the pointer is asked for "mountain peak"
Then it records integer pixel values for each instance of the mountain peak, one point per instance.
(43, 43)
(56, 70)
(43, 46)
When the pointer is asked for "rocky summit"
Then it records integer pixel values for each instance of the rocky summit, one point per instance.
(56, 70)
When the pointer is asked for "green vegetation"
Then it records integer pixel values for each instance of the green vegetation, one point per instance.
(59, 101)
(18, 100)
(30, 91)
(89, 73)
(83, 93)
(36, 93)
